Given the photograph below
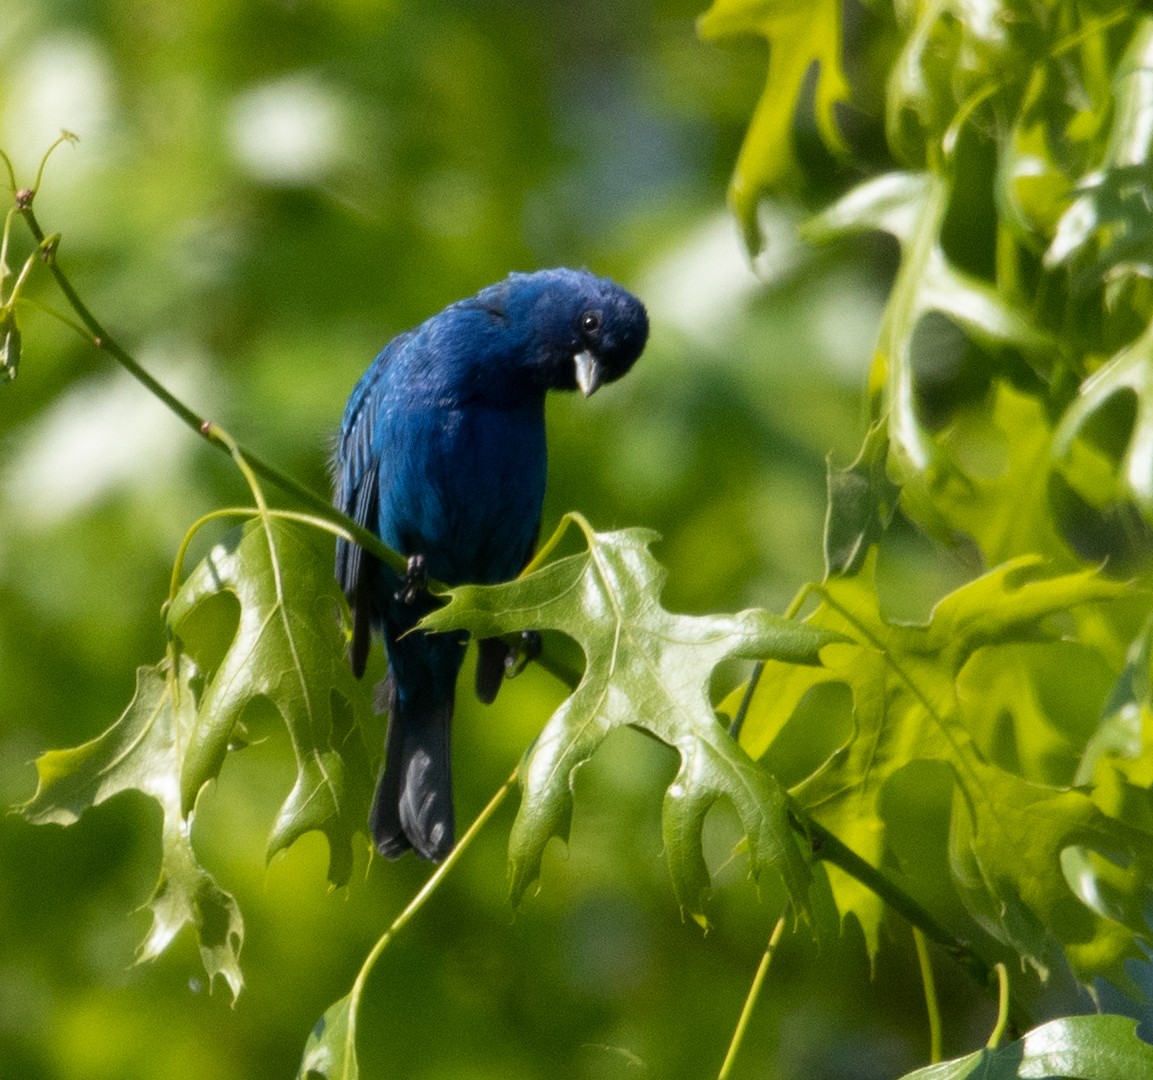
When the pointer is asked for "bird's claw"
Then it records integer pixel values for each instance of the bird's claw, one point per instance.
(414, 582)
(519, 658)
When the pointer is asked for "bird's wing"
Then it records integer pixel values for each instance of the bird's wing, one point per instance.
(356, 469)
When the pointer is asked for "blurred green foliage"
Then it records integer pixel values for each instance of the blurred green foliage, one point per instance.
(263, 193)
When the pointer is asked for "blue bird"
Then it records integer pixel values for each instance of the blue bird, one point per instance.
(442, 454)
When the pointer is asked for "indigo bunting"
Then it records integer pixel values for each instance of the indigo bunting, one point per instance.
(442, 454)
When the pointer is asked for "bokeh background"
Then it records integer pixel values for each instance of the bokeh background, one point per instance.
(263, 193)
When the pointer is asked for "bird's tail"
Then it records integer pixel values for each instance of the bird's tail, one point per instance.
(412, 807)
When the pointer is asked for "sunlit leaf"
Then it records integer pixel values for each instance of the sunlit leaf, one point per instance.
(1078, 1047)
(912, 207)
(142, 751)
(330, 1053)
(1130, 372)
(649, 669)
(954, 53)
(799, 36)
(1008, 832)
(1111, 221)
(287, 647)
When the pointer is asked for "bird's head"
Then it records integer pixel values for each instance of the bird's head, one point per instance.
(580, 331)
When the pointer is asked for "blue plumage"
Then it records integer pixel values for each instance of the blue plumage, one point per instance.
(442, 454)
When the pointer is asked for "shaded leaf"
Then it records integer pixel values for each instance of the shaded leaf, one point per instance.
(861, 503)
(142, 751)
(1055, 138)
(800, 36)
(649, 669)
(288, 648)
(1124, 737)
(998, 491)
(1078, 1047)
(955, 52)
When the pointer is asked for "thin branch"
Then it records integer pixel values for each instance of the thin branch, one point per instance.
(932, 1003)
(828, 848)
(751, 1000)
(414, 905)
(1002, 1006)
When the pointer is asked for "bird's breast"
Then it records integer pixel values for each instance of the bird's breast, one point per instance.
(464, 487)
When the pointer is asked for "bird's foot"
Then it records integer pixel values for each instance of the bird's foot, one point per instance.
(414, 582)
(518, 659)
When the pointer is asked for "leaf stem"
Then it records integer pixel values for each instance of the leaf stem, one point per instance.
(10, 171)
(414, 905)
(193, 529)
(932, 1004)
(751, 1000)
(1002, 1006)
(65, 137)
(4, 271)
(738, 721)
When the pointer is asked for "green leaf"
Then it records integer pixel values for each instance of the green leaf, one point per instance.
(288, 648)
(142, 751)
(1111, 222)
(1079, 1047)
(330, 1053)
(1130, 372)
(998, 488)
(9, 345)
(861, 503)
(955, 54)
(799, 36)
(1056, 137)
(649, 669)
(912, 207)
(1007, 833)
(1124, 737)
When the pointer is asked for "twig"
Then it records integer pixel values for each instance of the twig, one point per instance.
(932, 1004)
(751, 1000)
(828, 848)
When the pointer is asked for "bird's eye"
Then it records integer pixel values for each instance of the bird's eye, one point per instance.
(590, 322)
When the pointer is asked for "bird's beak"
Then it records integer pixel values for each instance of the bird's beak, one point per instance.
(589, 372)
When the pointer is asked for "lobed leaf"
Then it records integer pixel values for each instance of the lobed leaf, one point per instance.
(143, 751)
(1130, 372)
(955, 54)
(1079, 1047)
(1110, 223)
(650, 669)
(279, 639)
(287, 648)
(800, 37)
(1008, 834)
(912, 207)
(861, 503)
